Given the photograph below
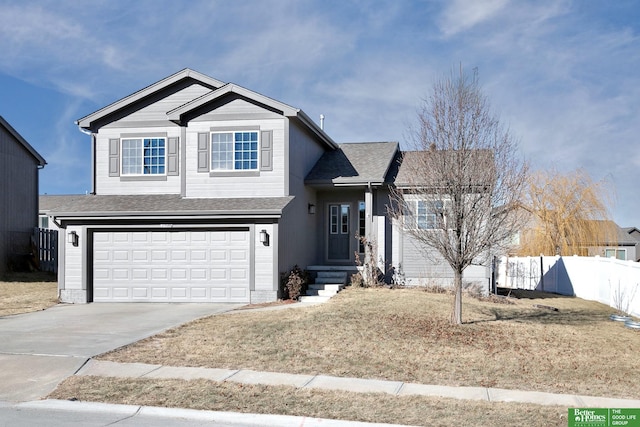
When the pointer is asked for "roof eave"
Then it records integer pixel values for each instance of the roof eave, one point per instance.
(85, 122)
(110, 216)
(177, 113)
(41, 161)
(315, 129)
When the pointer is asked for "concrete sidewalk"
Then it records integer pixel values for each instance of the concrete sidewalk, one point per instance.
(356, 385)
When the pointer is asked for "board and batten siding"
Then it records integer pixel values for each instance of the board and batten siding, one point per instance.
(109, 183)
(265, 280)
(71, 282)
(18, 197)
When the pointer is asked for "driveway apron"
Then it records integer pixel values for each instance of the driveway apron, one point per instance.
(38, 350)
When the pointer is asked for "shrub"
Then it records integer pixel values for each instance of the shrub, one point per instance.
(295, 282)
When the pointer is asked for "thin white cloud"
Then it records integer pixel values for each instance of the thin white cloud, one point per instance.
(461, 15)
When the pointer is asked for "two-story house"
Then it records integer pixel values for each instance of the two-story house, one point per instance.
(207, 191)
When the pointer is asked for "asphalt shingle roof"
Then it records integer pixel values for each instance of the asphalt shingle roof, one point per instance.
(159, 204)
(354, 163)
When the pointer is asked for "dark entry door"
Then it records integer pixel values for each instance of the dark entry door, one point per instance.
(339, 229)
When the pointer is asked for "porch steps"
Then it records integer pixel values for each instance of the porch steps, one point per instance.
(327, 284)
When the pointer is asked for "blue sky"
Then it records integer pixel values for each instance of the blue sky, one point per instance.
(563, 75)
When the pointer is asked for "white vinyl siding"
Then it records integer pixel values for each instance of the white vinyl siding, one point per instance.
(211, 182)
(234, 151)
(121, 183)
(143, 156)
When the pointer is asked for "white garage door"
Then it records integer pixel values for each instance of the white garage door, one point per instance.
(177, 266)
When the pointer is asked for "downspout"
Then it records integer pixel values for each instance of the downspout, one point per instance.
(93, 158)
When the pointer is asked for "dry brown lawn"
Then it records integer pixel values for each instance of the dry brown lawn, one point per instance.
(401, 335)
(208, 395)
(404, 335)
(26, 292)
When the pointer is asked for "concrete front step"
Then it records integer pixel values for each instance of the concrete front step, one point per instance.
(322, 292)
(326, 286)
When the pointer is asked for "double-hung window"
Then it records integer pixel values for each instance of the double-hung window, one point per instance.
(426, 214)
(234, 151)
(143, 156)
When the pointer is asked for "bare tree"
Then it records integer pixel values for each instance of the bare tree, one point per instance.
(457, 193)
(568, 214)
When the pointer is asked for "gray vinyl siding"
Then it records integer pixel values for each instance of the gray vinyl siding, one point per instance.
(418, 264)
(298, 229)
(18, 198)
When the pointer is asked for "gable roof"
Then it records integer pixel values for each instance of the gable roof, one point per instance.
(86, 121)
(178, 113)
(412, 163)
(41, 161)
(218, 91)
(361, 163)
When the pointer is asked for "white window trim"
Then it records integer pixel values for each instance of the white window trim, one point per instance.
(233, 170)
(411, 221)
(615, 255)
(142, 138)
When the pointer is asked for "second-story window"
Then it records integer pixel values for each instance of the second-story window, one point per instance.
(234, 151)
(143, 156)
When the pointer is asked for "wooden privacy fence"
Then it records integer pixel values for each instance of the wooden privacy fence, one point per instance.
(45, 244)
(606, 280)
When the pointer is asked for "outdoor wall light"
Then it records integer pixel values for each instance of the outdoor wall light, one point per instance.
(264, 237)
(72, 238)
(312, 208)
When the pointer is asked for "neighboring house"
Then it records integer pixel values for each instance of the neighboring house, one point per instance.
(207, 191)
(19, 165)
(620, 243)
(626, 246)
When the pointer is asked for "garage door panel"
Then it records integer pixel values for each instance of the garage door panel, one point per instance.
(239, 293)
(159, 255)
(159, 274)
(177, 292)
(140, 274)
(171, 266)
(198, 274)
(159, 293)
(237, 274)
(120, 274)
(199, 293)
(121, 293)
(140, 293)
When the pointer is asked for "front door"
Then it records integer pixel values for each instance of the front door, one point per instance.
(339, 228)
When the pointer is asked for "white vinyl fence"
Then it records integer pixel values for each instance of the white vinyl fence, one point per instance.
(606, 280)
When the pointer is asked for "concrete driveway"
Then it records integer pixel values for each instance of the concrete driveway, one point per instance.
(38, 350)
